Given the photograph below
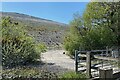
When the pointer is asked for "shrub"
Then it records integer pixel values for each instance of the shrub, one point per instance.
(17, 47)
(41, 47)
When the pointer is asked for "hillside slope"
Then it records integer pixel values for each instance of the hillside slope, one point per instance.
(47, 31)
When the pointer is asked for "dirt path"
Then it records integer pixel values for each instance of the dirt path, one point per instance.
(57, 61)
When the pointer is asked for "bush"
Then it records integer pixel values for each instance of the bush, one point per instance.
(17, 47)
(71, 44)
(41, 47)
(73, 76)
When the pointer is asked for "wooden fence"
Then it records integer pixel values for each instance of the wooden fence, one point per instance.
(88, 60)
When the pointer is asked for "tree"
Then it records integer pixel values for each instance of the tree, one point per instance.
(96, 29)
(104, 15)
(72, 40)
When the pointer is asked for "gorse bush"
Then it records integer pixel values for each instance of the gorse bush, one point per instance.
(17, 47)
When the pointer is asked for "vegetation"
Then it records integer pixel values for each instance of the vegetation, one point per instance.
(73, 76)
(35, 73)
(40, 47)
(27, 72)
(97, 29)
(17, 47)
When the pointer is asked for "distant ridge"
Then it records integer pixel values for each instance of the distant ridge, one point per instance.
(43, 30)
(21, 15)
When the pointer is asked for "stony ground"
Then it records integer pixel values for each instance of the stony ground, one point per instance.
(57, 62)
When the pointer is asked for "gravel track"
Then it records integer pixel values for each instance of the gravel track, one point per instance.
(56, 61)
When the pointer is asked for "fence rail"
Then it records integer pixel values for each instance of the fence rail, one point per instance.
(91, 66)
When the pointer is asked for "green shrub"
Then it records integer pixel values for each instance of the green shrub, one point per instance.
(41, 47)
(17, 47)
(73, 76)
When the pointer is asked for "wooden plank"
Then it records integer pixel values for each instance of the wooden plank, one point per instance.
(82, 55)
(93, 51)
(106, 58)
(82, 64)
(99, 57)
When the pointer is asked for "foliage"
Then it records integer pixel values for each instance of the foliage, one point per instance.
(96, 29)
(40, 47)
(104, 15)
(27, 72)
(17, 46)
(74, 76)
(71, 41)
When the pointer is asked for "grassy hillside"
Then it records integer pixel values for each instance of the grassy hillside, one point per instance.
(47, 31)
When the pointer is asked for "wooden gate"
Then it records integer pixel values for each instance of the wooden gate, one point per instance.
(88, 55)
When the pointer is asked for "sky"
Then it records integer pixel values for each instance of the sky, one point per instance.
(56, 11)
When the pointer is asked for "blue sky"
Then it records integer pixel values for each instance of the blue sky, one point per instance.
(57, 11)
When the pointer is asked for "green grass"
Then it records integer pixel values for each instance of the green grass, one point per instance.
(72, 75)
(29, 72)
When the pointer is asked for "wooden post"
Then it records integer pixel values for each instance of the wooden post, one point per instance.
(107, 51)
(88, 64)
(0, 61)
(76, 61)
(118, 57)
(105, 74)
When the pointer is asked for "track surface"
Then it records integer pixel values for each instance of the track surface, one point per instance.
(57, 61)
